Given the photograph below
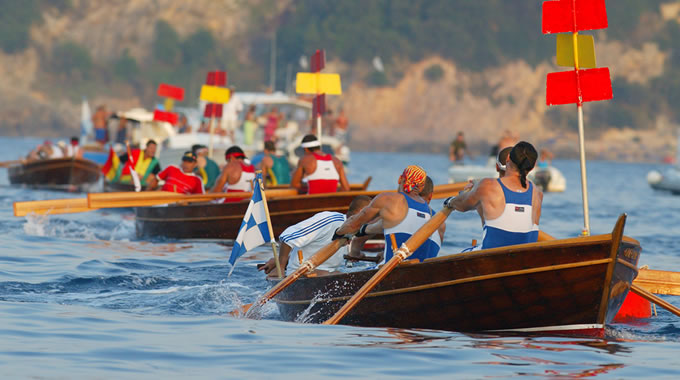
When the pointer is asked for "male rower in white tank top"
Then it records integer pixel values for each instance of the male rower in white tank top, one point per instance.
(399, 214)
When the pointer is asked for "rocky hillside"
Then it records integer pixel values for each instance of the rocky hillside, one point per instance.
(415, 104)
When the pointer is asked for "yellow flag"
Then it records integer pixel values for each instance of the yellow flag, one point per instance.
(586, 51)
(214, 94)
(318, 83)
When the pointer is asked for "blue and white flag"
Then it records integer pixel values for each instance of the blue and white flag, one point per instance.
(254, 229)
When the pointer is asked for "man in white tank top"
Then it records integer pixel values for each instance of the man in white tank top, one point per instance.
(399, 214)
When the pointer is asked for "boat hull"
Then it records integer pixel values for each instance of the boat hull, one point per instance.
(560, 286)
(71, 174)
(222, 221)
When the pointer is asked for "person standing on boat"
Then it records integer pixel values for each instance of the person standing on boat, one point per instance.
(180, 180)
(322, 171)
(400, 214)
(510, 206)
(458, 149)
(275, 168)
(237, 176)
(310, 235)
(144, 162)
(207, 168)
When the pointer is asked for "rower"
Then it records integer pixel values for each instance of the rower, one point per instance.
(510, 206)
(322, 171)
(179, 180)
(207, 168)
(400, 214)
(311, 235)
(275, 168)
(237, 176)
(145, 163)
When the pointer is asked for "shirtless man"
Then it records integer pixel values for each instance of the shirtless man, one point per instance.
(323, 171)
(510, 206)
(100, 122)
(400, 214)
(237, 176)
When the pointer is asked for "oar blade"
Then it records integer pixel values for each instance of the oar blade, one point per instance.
(55, 206)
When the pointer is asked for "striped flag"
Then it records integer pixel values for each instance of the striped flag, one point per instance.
(254, 229)
(110, 168)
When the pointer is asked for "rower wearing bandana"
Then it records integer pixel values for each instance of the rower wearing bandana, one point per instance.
(400, 214)
(322, 171)
(237, 176)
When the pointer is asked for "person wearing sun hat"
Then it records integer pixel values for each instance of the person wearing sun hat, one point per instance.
(400, 214)
(180, 179)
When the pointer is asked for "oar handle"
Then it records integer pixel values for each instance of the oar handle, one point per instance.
(412, 244)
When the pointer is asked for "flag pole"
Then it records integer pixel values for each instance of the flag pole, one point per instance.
(581, 141)
(269, 223)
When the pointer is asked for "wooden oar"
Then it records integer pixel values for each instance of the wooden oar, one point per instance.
(412, 244)
(5, 164)
(652, 298)
(659, 281)
(308, 266)
(55, 206)
(96, 201)
(151, 198)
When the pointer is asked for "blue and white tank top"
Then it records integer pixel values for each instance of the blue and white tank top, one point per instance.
(418, 213)
(516, 223)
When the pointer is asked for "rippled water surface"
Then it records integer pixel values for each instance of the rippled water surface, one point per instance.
(81, 297)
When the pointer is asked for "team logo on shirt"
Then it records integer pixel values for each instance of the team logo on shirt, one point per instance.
(420, 215)
(519, 209)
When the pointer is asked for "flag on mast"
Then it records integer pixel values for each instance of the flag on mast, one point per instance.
(254, 230)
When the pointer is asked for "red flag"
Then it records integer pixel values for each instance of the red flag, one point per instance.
(170, 117)
(562, 87)
(318, 61)
(169, 91)
(563, 16)
(216, 78)
(319, 105)
(213, 110)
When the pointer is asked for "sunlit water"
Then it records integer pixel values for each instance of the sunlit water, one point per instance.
(81, 297)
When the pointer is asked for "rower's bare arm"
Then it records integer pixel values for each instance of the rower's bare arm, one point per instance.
(219, 183)
(375, 228)
(364, 216)
(284, 253)
(469, 200)
(296, 181)
(344, 184)
(537, 203)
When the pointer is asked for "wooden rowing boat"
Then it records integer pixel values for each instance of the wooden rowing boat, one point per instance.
(571, 286)
(71, 174)
(222, 221)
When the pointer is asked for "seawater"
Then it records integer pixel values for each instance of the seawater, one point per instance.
(81, 297)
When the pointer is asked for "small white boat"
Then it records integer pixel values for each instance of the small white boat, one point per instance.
(549, 179)
(669, 180)
(462, 173)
